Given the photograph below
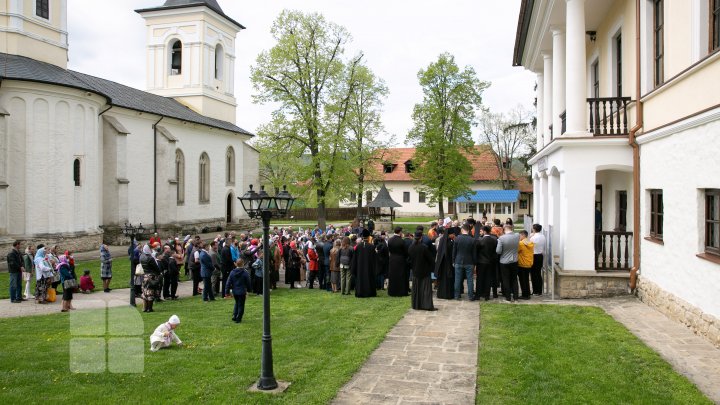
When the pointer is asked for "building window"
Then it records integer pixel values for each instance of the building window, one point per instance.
(204, 178)
(353, 196)
(618, 65)
(176, 58)
(523, 204)
(656, 214)
(712, 221)
(621, 211)
(219, 54)
(76, 172)
(42, 9)
(409, 167)
(421, 197)
(595, 77)
(368, 196)
(180, 175)
(406, 196)
(714, 25)
(230, 166)
(658, 41)
(388, 167)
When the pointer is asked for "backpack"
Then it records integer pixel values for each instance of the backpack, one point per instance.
(345, 257)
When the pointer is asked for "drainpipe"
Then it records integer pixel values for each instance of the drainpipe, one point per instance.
(155, 131)
(636, 156)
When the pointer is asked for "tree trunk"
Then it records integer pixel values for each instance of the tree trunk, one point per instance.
(441, 207)
(322, 216)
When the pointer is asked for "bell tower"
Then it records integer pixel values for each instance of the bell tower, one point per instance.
(36, 29)
(191, 55)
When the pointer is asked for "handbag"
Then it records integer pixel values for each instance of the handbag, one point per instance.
(51, 295)
(139, 270)
(70, 284)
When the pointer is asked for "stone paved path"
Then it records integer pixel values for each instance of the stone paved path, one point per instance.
(428, 357)
(689, 354)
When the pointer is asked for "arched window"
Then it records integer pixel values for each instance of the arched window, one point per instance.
(204, 178)
(219, 58)
(230, 166)
(76, 172)
(176, 58)
(180, 175)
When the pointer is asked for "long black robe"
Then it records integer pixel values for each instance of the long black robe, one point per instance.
(397, 269)
(422, 265)
(364, 269)
(444, 269)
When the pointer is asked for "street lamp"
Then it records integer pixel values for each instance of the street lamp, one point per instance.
(132, 232)
(266, 207)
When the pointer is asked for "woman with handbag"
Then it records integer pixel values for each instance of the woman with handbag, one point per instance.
(43, 276)
(69, 283)
(151, 286)
(106, 267)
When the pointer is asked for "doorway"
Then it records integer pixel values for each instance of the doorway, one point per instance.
(229, 208)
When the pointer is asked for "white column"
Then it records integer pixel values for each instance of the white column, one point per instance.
(547, 96)
(558, 89)
(543, 201)
(577, 219)
(575, 68)
(540, 93)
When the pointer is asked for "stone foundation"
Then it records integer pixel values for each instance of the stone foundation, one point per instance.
(74, 242)
(679, 310)
(114, 236)
(587, 284)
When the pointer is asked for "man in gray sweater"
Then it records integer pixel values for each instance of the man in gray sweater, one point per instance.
(507, 249)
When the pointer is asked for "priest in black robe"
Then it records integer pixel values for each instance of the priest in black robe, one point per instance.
(423, 263)
(364, 267)
(397, 269)
(444, 270)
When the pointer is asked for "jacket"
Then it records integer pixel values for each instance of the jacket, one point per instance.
(227, 259)
(485, 249)
(464, 250)
(313, 257)
(238, 282)
(14, 261)
(507, 248)
(149, 265)
(206, 264)
(525, 253)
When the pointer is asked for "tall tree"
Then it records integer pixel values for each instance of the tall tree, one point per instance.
(512, 137)
(279, 165)
(365, 125)
(308, 77)
(441, 130)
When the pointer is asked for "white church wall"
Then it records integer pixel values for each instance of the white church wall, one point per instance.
(682, 165)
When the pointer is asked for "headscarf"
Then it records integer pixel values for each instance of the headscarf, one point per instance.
(146, 250)
(293, 245)
(62, 261)
(39, 256)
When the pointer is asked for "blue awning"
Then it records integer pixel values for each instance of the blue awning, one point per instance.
(491, 196)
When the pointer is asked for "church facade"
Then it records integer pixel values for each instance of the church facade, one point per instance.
(80, 155)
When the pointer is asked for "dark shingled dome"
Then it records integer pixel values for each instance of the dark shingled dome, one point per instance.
(383, 199)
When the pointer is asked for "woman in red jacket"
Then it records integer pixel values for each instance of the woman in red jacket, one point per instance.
(313, 265)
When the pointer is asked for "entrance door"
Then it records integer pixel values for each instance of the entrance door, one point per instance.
(228, 209)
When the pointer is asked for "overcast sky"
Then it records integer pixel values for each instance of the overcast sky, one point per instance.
(398, 38)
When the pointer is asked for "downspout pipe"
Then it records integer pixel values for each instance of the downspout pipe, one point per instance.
(155, 133)
(636, 155)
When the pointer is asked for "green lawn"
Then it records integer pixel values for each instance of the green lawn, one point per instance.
(538, 354)
(415, 219)
(319, 341)
(121, 275)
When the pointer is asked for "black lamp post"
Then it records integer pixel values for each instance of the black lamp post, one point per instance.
(132, 232)
(261, 205)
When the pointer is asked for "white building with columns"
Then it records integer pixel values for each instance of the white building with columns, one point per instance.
(80, 155)
(628, 123)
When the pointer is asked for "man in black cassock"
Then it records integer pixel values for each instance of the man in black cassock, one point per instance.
(397, 270)
(423, 263)
(364, 267)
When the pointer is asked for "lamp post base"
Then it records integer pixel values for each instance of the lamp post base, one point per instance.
(281, 386)
(267, 383)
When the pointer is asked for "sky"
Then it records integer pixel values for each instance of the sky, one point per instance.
(398, 38)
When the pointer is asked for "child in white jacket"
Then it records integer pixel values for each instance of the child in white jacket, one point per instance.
(164, 335)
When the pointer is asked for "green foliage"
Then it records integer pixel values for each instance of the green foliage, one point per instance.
(442, 129)
(220, 360)
(541, 354)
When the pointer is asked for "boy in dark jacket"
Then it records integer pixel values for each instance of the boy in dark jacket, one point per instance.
(239, 282)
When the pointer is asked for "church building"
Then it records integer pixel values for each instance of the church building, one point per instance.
(80, 155)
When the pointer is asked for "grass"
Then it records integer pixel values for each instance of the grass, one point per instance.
(537, 354)
(415, 219)
(319, 341)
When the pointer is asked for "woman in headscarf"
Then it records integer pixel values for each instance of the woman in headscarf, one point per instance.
(151, 284)
(65, 275)
(43, 275)
(292, 270)
(106, 267)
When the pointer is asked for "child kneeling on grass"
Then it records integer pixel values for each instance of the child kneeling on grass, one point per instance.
(86, 282)
(164, 335)
(239, 283)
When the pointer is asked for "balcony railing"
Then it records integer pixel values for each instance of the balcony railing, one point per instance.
(612, 250)
(608, 115)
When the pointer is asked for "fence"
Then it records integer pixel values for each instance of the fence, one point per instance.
(311, 214)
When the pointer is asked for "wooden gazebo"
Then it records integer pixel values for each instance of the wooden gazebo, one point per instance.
(382, 200)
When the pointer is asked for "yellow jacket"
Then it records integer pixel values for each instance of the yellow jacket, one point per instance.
(525, 253)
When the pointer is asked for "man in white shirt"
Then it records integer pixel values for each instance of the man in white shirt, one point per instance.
(538, 256)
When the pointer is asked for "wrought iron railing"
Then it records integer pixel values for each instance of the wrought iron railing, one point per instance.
(608, 115)
(612, 250)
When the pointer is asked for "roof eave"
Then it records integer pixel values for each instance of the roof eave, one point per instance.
(161, 8)
(523, 27)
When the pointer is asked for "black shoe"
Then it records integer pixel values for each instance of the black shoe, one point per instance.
(525, 298)
(432, 309)
(237, 321)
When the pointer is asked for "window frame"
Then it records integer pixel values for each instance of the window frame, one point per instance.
(353, 196)
(658, 17)
(714, 28)
(230, 166)
(368, 196)
(172, 70)
(712, 225)
(406, 196)
(180, 176)
(204, 178)
(42, 9)
(621, 222)
(617, 43)
(77, 172)
(595, 78)
(422, 197)
(656, 214)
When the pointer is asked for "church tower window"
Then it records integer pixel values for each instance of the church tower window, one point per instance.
(176, 58)
(230, 166)
(219, 56)
(76, 172)
(42, 9)
(204, 178)
(180, 176)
